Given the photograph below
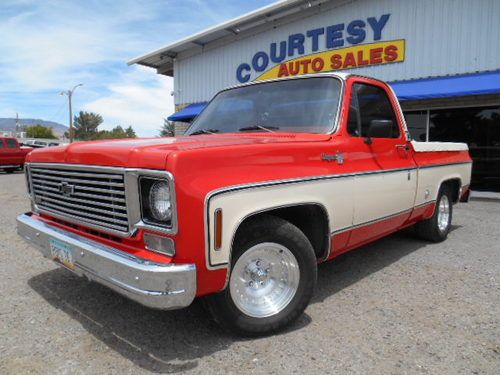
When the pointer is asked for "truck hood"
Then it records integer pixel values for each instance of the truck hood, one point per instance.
(152, 153)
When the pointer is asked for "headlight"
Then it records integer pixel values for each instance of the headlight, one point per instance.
(159, 200)
(156, 201)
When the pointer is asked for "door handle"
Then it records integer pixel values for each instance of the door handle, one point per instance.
(405, 147)
(338, 157)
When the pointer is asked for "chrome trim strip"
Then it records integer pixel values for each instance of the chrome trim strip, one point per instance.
(36, 174)
(351, 227)
(443, 165)
(61, 173)
(157, 285)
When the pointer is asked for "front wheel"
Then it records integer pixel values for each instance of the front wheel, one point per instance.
(272, 278)
(436, 228)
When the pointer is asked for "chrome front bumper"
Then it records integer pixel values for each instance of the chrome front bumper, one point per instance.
(156, 285)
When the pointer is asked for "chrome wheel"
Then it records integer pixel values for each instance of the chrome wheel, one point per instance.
(264, 280)
(443, 219)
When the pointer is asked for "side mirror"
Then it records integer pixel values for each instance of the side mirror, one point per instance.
(379, 129)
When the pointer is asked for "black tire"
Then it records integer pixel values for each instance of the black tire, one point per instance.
(429, 229)
(266, 229)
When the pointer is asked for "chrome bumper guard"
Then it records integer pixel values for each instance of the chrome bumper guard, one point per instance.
(156, 285)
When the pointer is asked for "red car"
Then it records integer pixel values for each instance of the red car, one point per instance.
(12, 155)
(271, 179)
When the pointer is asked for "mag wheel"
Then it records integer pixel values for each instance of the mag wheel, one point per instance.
(264, 280)
(436, 228)
(272, 279)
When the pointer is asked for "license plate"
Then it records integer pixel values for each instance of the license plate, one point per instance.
(61, 253)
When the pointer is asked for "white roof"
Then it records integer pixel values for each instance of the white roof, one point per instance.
(268, 14)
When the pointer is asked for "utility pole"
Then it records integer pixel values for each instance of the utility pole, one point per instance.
(70, 96)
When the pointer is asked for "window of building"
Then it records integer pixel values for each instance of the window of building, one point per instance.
(369, 103)
(479, 127)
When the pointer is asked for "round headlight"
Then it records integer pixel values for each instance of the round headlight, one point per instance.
(159, 201)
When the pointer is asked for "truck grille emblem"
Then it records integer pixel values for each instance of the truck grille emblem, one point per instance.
(66, 189)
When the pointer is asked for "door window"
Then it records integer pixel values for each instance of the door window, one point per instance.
(370, 103)
(416, 122)
(11, 143)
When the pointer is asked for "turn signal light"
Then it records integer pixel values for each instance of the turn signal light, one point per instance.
(218, 229)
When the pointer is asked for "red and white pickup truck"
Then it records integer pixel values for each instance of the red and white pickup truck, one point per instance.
(12, 154)
(271, 179)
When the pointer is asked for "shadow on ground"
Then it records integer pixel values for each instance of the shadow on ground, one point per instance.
(174, 341)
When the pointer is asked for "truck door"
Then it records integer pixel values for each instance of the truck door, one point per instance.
(3, 153)
(12, 152)
(384, 188)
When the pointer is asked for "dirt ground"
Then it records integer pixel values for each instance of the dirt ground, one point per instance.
(397, 306)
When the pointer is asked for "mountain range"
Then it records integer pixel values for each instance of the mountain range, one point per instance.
(9, 124)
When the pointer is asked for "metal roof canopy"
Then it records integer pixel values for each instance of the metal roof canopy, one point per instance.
(162, 58)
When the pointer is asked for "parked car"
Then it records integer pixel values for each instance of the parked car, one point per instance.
(12, 154)
(271, 179)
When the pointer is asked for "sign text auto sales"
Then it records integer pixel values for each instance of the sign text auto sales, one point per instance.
(334, 47)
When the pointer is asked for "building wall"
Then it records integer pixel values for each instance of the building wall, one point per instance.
(442, 37)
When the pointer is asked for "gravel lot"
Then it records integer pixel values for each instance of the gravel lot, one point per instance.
(398, 306)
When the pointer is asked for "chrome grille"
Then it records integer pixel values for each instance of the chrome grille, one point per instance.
(89, 196)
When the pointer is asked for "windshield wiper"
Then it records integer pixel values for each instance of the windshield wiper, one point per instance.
(269, 129)
(205, 131)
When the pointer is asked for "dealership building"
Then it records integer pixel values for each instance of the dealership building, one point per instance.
(441, 57)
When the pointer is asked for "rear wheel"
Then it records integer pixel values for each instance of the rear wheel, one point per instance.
(272, 279)
(436, 228)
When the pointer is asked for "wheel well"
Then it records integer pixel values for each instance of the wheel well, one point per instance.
(311, 219)
(454, 185)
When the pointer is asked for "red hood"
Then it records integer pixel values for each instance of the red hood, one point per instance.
(153, 152)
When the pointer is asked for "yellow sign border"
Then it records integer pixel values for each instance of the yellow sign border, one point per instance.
(326, 56)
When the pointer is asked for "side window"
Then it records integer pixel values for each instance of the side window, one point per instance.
(11, 143)
(354, 119)
(370, 103)
(1, 143)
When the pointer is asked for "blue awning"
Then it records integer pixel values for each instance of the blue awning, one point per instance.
(188, 113)
(446, 87)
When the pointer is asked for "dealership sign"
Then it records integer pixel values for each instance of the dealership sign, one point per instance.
(334, 47)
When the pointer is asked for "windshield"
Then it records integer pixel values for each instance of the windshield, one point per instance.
(305, 105)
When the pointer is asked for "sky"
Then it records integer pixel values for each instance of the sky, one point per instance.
(50, 46)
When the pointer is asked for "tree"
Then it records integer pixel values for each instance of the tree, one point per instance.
(85, 125)
(116, 133)
(40, 131)
(168, 129)
(130, 132)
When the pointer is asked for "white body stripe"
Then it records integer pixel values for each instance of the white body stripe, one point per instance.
(384, 194)
(431, 178)
(335, 195)
(349, 200)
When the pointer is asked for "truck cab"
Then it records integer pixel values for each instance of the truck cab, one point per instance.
(12, 155)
